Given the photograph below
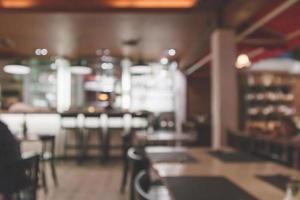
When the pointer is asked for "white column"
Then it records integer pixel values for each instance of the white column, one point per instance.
(180, 99)
(126, 84)
(63, 84)
(224, 86)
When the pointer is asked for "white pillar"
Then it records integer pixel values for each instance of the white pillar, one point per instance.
(63, 84)
(180, 99)
(126, 84)
(224, 86)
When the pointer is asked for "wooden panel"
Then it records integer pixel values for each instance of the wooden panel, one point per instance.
(82, 27)
(198, 97)
(76, 34)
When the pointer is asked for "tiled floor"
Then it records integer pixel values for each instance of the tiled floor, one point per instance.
(91, 181)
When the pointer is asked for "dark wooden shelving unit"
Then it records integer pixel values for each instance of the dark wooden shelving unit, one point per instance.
(266, 100)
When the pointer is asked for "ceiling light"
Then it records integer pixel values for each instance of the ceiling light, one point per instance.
(172, 52)
(37, 52)
(106, 52)
(164, 61)
(81, 70)
(107, 66)
(140, 69)
(41, 52)
(44, 52)
(242, 61)
(99, 52)
(17, 69)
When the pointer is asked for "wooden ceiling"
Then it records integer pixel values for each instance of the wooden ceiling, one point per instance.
(79, 29)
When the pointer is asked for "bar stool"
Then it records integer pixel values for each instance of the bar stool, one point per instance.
(91, 126)
(48, 155)
(70, 126)
(105, 136)
(114, 122)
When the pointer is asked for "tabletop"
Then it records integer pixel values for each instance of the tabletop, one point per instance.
(243, 174)
(166, 136)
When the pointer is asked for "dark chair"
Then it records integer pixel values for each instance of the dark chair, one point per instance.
(142, 185)
(70, 126)
(48, 155)
(129, 132)
(137, 162)
(145, 189)
(126, 144)
(22, 178)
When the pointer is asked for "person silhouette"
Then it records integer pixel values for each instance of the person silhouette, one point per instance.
(9, 154)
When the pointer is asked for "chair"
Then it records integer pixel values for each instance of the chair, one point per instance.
(145, 189)
(138, 162)
(142, 185)
(70, 126)
(22, 178)
(139, 121)
(48, 155)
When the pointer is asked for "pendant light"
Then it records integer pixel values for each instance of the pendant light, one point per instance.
(16, 68)
(140, 68)
(243, 61)
(81, 68)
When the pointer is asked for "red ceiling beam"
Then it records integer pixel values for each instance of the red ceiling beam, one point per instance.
(267, 18)
(254, 27)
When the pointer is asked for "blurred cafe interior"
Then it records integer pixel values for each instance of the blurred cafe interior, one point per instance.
(149, 99)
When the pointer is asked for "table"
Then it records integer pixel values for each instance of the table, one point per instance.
(165, 137)
(243, 175)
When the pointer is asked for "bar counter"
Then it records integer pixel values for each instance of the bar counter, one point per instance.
(40, 123)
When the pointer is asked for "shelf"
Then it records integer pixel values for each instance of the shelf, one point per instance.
(269, 102)
(270, 87)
